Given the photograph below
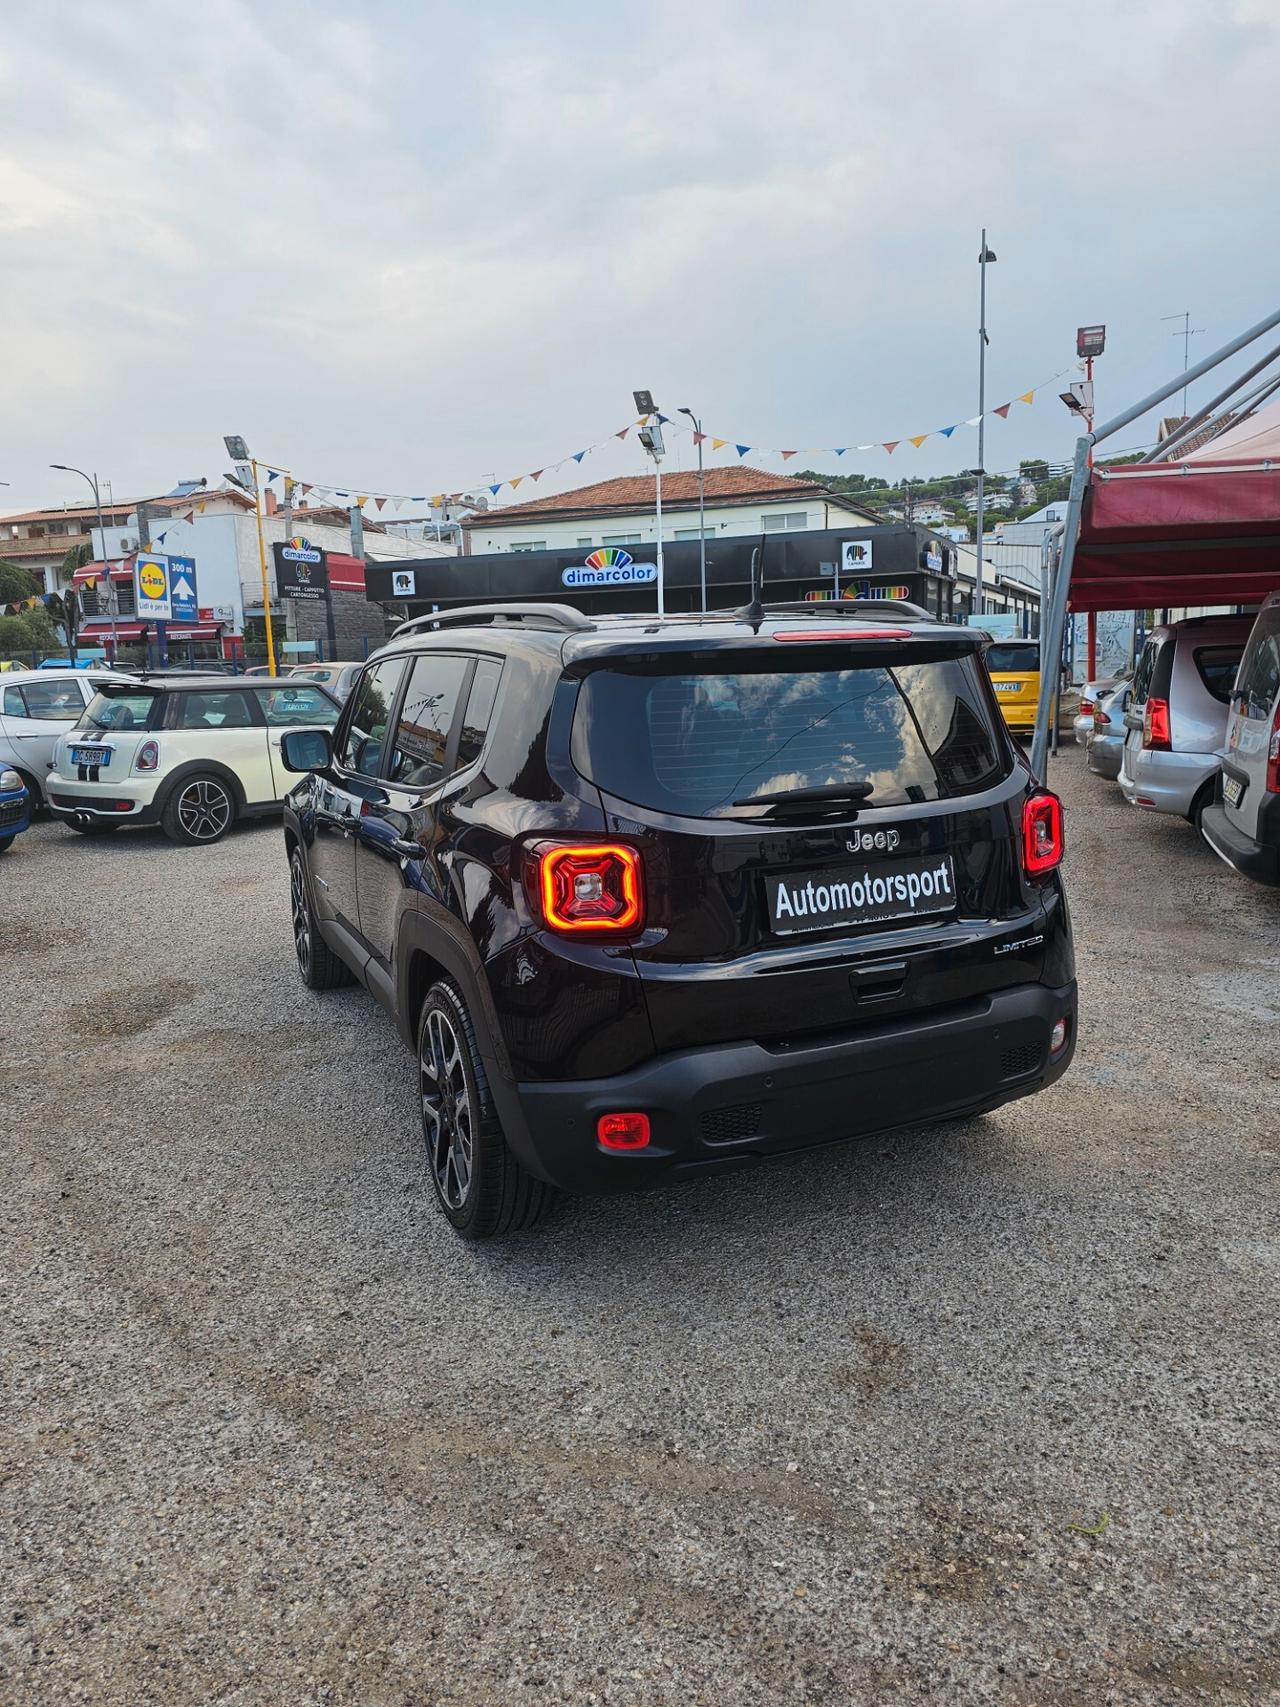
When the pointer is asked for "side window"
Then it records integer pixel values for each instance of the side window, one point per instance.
(301, 703)
(49, 702)
(1146, 667)
(422, 738)
(214, 711)
(13, 706)
(475, 720)
(1217, 666)
(375, 694)
(1259, 680)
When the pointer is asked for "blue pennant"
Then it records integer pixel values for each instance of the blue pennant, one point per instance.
(947, 431)
(578, 455)
(742, 449)
(496, 489)
(842, 450)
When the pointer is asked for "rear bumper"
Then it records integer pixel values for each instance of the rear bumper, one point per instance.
(1103, 757)
(1166, 782)
(732, 1103)
(1258, 860)
(67, 798)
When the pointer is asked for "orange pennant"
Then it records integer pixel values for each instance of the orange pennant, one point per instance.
(1027, 397)
(718, 444)
(514, 483)
(919, 439)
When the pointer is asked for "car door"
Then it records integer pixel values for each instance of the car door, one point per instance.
(297, 704)
(1253, 732)
(224, 725)
(397, 844)
(1135, 714)
(35, 713)
(338, 794)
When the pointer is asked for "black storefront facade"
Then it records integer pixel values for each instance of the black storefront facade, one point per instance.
(892, 561)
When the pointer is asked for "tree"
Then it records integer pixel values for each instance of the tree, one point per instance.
(16, 583)
(31, 631)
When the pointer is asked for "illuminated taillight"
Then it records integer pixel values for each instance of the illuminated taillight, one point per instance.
(623, 1131)
(147, 757)
(1041, 834)
(1155, 726)
(581, 887)
(1273, 755)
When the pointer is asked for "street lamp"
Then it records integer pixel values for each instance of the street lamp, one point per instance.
(650, 436)
(238, 451)
(984, 256)
(65, 468)
(702, 508)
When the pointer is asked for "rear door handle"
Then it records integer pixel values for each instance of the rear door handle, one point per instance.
(880, 981)
(407, 849)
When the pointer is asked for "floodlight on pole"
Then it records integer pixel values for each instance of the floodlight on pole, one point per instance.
(644, 403)
(237, 450)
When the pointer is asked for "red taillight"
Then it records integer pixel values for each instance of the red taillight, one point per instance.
(1273, 755)
(590, 887)
(1100, 718)
(850, 633)
(623, 1131)
(148, 756)
(1155, 726)
(1041, 834)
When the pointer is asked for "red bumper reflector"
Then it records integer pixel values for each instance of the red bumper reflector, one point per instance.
(623, 1131)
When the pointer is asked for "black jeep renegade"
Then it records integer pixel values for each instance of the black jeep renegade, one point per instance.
(653, 896)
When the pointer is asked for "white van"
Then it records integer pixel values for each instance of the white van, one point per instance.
(1243, 824)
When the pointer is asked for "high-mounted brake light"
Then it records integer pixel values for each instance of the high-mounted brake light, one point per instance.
(590, 887)
(842, 634)
(1041, 834)
(1273, 755)
(1155, 726)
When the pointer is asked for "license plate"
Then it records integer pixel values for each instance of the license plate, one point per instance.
(1008, 687)
(1232, 791)
(861, 894)
(100, 756)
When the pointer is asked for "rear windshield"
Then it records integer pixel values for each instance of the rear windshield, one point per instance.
(1259, 680)
(123, 707)
(695, 744)
(1012, 658)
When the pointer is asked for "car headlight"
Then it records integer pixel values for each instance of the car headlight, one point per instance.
(10, 782)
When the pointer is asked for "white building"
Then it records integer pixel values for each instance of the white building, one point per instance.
(621, 512)
(991, 501)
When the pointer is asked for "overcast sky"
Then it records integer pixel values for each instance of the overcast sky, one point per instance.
(403, 247)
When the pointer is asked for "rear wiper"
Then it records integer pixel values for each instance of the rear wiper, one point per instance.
(835, 792)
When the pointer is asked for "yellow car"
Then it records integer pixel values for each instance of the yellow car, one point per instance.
(1014, 668)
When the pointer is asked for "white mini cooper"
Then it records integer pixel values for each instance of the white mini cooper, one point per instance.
(190, 753)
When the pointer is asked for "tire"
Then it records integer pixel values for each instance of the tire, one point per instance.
(95, 827)
(318, 966)
(1203, 799)
(6, 842)
(199, 811)
(478, 1182)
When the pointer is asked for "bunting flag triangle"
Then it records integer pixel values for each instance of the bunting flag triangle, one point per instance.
(437, 500)
(842, 449)
(362, 499)
(200, 507)
(272, 474)
(378, 503)
(973, 420)
(578, 455)
(698, 438)
(919, 439)
(161, 537)
(663, 420)
(496, 489)
(947, 431)
(623, 433)
(1027, 397)
(190, 516)
(718, 444)
(891, 445)
(786, 454)
(304, 488)
(1003, 410)
(338, 494)
(536, 475)
(742, 449)
(514, 483)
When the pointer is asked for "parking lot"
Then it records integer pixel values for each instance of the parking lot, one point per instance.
(986, 1413)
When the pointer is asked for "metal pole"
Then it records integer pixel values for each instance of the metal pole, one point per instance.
(702, 522)
(982, 406)
(1108, 428)
(657, 471)
(262, 564)
(106, 563)
(1162, 452)
(1051, 633)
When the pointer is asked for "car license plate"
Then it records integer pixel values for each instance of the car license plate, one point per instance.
(100, 756)
(861, 894)
(1008, 687)
(1232, 791)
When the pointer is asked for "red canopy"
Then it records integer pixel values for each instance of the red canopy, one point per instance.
(99, 629)
(1180, 533)
(120, 569)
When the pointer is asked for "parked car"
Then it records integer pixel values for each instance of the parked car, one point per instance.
(15, 808)
(191, 754)
(1243, 823)
(651, 897)
(338, 678)
(1177, 718)
(36, 706)
(1014, 668)
(1104, 748)
(1088, 699)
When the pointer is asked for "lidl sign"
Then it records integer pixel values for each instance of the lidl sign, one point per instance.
(151, 587)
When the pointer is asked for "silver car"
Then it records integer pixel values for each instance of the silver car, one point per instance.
(1104, 747)
(1243, 823)
(1177, 718)
(339, 678)
(1088, 699)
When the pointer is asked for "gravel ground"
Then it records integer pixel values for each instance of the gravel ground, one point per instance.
(985, 1414)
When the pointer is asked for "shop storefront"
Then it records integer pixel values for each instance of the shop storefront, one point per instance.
(860, 562)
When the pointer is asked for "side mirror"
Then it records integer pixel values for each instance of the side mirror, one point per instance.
(307, 750)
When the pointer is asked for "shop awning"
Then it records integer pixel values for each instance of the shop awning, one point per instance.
(346, 574)
(193, 631)
(100, 629)
(120, 568)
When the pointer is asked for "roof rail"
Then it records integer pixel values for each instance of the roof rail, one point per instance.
(563, 617)
(856, 608)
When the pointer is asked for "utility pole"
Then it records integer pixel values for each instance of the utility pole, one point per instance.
(262, 564)
(1187, 333)
(984, 256)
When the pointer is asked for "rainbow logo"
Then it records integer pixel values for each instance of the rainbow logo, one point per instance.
(609, 557)
(299, 550)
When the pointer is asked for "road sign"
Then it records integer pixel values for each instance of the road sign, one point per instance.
(151, 587)
(182, 589)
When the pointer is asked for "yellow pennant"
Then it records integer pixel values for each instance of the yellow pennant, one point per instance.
(1027, 397)
(362, 498)
(514, 483)
(919, 439)
(718, 444)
